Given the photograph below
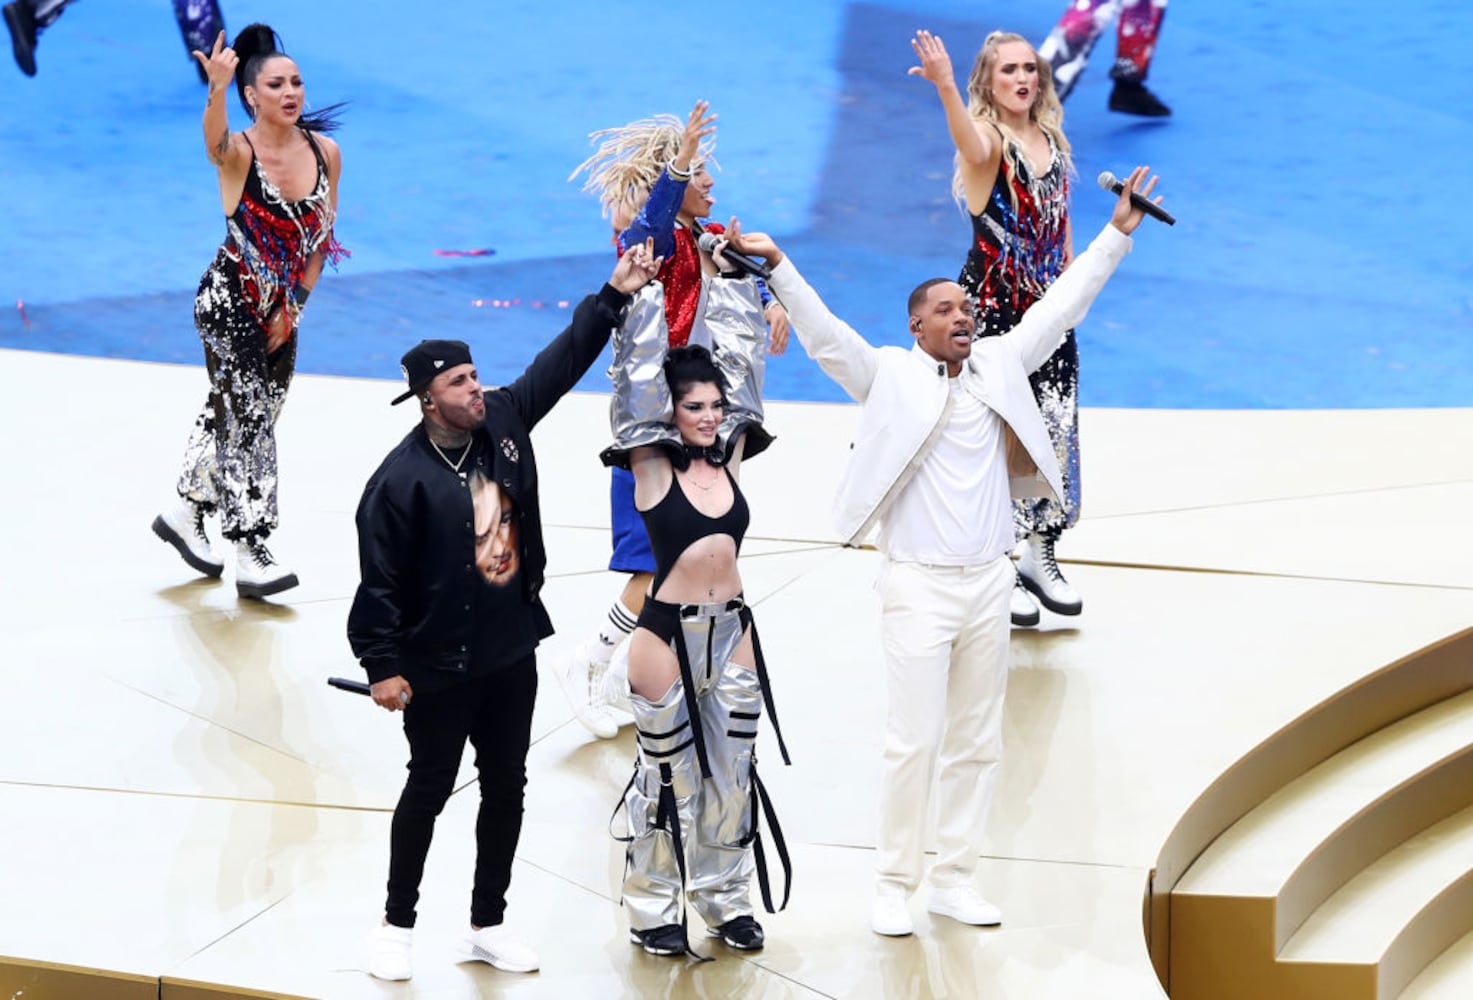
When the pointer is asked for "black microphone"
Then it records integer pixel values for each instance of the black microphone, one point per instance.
(1113, 184)
(359, 687)
(741, 262)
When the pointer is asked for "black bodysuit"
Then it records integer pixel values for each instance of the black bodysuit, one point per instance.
(674, 525)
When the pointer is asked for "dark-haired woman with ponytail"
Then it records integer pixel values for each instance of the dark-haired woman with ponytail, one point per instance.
(279, 191)
(683, 420)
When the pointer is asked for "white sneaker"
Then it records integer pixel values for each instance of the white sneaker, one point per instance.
(581, 678)
(964, 904)
(1022, 608)
(891, 916)
(257, 573)
(1039, 572)
(389, 953)
(498, 947)
(183, 526)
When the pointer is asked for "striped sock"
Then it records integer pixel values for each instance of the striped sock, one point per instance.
(615, 629)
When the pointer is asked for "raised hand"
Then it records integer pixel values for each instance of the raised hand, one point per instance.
(752, 244)
(637, 267)
(935, 63)
(698, 125)
(219, 65)
(1126, 216)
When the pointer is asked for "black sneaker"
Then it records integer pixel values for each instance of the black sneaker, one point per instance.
(666, 940)
(22, 25)
(743, 933)
(1132, 98)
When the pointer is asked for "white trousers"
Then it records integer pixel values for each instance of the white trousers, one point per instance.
(944, 631)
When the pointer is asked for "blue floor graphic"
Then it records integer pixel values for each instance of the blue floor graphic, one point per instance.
(1323, 257)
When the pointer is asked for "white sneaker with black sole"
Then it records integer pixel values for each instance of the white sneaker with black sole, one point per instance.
(257, 573)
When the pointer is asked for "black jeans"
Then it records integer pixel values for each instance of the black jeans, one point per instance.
(495, 713)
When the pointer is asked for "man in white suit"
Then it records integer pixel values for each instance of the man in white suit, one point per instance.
(949, 434)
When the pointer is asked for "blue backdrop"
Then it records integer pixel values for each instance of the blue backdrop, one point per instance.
(1317, 161)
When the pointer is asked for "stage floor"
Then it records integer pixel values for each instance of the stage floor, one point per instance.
(186, 801)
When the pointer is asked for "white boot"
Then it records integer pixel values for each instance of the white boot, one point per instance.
(1039, 572)
(581, 678)
(257, 573)
(183, 526)
(1023, 608)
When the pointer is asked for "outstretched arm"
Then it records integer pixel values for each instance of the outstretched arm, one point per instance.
(979, 146)
(1068, 299)
(226, 151)
(842, 353)
(559, 365)
(656, 218)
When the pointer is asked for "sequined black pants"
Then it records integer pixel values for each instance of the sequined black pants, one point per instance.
(230, 461)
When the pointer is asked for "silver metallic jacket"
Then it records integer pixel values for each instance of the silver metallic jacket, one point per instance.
(730, 324)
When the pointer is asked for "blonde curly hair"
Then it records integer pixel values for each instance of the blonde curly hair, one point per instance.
(627, 161)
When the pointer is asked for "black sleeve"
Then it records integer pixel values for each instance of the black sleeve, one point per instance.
(559, 365)
(375, 621)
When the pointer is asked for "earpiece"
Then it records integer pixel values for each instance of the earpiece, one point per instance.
(915, 325)
(426, 398)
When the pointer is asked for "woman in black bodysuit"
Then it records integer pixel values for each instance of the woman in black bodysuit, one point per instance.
(697, 678)
(278, 188)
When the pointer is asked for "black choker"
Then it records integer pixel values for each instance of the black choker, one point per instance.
(711, 453)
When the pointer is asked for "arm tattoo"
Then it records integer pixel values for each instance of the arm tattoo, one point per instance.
(217, 153)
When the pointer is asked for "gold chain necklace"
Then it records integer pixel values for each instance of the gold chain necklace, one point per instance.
(705, 487)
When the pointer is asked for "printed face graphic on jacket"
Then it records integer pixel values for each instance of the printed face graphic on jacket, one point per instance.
(496, 531)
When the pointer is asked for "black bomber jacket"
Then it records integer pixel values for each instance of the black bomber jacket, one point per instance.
(416, 539)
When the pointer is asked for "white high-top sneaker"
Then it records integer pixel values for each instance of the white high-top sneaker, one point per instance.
(1024, 609)
(1039, 572)
(183, 526)
(257, 573)
(581, 678)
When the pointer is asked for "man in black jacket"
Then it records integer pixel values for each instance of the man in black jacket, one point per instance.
(448, 615)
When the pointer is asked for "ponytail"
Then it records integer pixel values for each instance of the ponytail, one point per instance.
(253, 46)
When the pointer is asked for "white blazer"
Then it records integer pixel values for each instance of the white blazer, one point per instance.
(903, 392)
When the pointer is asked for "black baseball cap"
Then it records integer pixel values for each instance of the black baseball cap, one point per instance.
(422, 362)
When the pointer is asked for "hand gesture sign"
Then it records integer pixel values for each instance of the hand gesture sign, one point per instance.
(636, 268)
(219, 65)
(935, 63)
